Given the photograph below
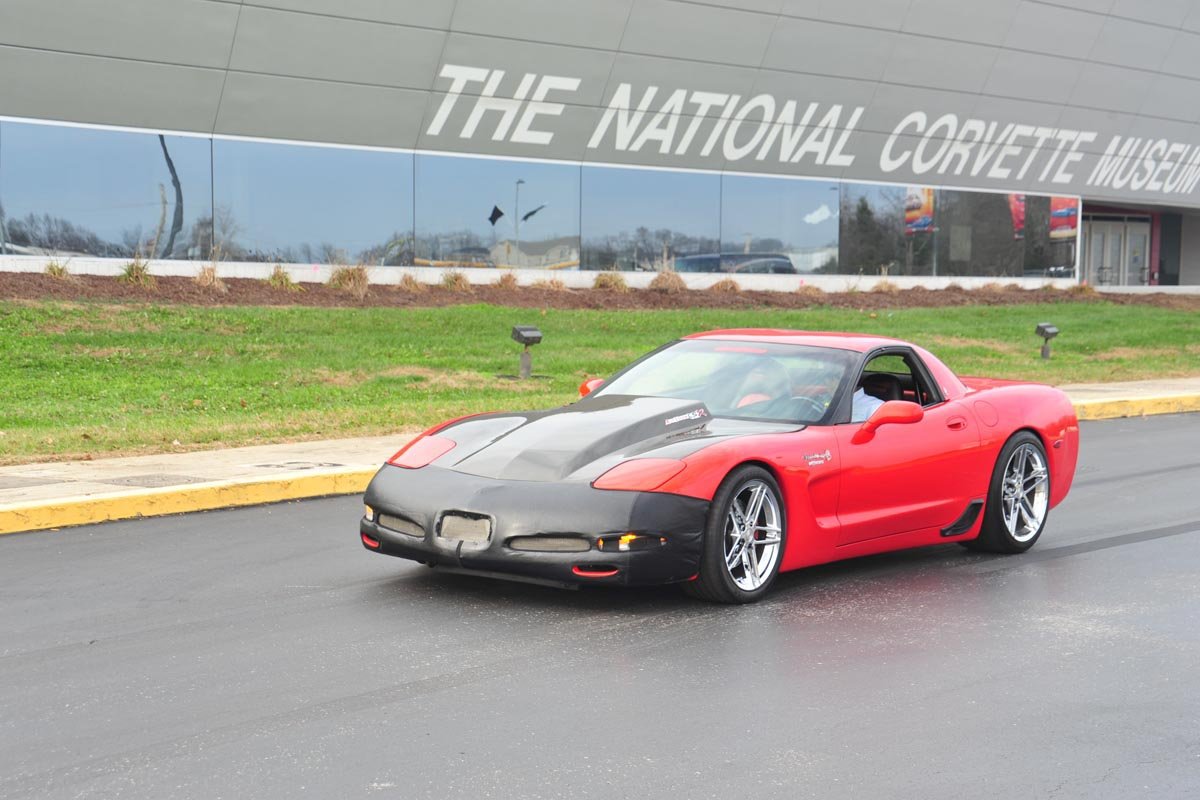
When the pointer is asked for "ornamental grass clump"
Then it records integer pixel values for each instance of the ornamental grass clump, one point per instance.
(281, 279)
(207, 278)
(726, 286)
(137, 273)
(58, 270)
(409, 283)
(668, 282)
(550, 285)
(609, 281)
(507, 280)
(456, 281)
(355, 280)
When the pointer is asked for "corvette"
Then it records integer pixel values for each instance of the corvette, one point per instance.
(724, 458)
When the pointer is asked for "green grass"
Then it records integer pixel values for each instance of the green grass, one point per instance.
(101, 378)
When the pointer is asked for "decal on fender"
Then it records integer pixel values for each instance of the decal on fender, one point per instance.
(817, 459)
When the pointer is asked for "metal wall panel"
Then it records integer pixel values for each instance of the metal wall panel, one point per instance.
(273, 107)
(379, 72)
(187, 32)
(985, 23)
(418, 13)
(697, 32)
(77, 88)
(592, 25)
(325, 48)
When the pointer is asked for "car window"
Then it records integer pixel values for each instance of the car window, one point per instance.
(896, 376)
(745, 380)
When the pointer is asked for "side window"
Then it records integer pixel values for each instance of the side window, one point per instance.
(896, 376)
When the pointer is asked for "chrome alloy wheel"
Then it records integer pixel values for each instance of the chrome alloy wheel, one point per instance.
(1025, 493)
(752, 535)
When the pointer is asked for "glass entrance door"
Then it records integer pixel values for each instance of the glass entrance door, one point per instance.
(1136, 264)
(1116, 252)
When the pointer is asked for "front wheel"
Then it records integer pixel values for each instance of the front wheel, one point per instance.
(743, 539)
(1018, 500)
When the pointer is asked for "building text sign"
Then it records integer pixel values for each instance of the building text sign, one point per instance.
(776, 134)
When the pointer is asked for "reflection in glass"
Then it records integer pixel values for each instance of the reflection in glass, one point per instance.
(873, 239)
(476, 212)
(311, 205)
(895, 230)
(89, 192)
(639, 219)
(774, 225)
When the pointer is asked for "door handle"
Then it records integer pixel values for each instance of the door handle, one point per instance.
(956, 423)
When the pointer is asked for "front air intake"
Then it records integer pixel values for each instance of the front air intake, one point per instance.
(401, 525)
(550, 544)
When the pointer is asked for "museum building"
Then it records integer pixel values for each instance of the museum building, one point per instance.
(1011, 140)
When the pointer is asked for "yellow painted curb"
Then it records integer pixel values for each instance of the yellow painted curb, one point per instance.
(177, 500)
(1113, 409)
(229, 494)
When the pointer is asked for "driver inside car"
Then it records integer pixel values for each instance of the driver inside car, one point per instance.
(863, 405)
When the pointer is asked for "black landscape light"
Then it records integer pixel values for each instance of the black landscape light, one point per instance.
(527, 335)
(1047, 332)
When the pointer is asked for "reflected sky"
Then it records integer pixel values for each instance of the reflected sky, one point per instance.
(457, 194)
(105, 181)
(617, 200)
(800, 214)
(286, 196)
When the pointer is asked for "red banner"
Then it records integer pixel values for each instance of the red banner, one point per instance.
(1016, 207)
(1064, 217)
(918, 210)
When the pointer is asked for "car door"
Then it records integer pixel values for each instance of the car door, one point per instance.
(913, 476)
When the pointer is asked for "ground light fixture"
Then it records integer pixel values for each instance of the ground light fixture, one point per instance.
(526, 335)
(1047, 332)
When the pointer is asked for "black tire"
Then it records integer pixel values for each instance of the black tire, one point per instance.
(716, 584)
(995, 536)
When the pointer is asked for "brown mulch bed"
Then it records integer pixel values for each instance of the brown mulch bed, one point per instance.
(249, 292)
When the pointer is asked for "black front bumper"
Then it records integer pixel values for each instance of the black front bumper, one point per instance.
(532, 508)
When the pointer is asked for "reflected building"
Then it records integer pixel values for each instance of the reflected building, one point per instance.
(817, 139)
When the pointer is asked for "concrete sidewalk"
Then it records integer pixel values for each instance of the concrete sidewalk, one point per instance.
(57, 495)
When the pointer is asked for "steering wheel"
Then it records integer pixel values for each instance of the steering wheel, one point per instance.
(817, 408)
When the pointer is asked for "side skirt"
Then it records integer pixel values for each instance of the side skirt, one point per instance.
(966, 521)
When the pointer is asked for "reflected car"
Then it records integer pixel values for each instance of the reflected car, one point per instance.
(741, 263)
(722, 459)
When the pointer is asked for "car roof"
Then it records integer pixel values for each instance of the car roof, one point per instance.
(858, 342)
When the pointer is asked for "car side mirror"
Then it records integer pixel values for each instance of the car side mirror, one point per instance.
(893, 412)
(589, 386)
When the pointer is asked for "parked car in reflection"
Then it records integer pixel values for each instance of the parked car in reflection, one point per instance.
(740, 263)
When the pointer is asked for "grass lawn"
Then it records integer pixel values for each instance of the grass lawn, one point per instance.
(95, 379)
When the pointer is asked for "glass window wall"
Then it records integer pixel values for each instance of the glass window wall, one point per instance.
(476, 212)
(71, 191)
(774, 225)
(638, 219)
(67, 190)
(915, 230)
(311, 205)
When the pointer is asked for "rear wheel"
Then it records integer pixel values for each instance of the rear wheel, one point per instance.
(743, 539)
(1018, 502)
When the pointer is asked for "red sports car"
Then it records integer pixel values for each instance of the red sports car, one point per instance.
(724, 458)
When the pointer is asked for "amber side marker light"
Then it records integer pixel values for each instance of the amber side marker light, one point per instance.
(630, 542)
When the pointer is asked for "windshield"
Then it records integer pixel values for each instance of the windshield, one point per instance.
(745, 380)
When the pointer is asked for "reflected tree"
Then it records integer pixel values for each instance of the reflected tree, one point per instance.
(177, 218)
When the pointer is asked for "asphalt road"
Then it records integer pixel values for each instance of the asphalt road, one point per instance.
(262, 653)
